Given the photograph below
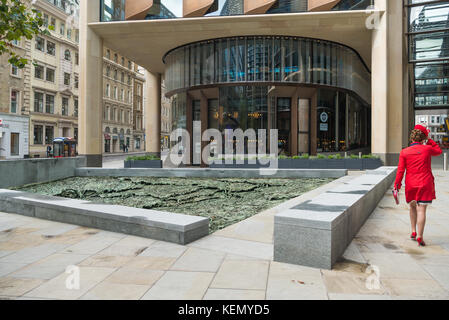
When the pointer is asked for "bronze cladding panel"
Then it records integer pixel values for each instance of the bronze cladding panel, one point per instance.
(137, 9)
(257, 6)
(196, 8)
(322, 5)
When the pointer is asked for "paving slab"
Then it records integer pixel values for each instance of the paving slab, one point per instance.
(180, 285)
(236, 246)
(439, 273)
(33, 254)
(342, 296)
(93, 244)
(49, 267)
(163, 250)
(195, 259)
(429, 289)
(9, 267)
(115, 291)
(293, 282)
(128, 246)
(127, 275)
(17, 287)
(56, 288)
(152, 263)
(349, 283)
(100, 260)
(242, 274)
(388, 266)
(233, 294)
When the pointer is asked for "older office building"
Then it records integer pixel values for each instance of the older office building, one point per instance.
(330, 75)
(54, 79)
(14, 99)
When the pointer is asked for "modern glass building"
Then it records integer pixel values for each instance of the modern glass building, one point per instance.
(330, 75)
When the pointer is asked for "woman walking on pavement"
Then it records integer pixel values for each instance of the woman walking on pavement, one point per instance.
(419, 181)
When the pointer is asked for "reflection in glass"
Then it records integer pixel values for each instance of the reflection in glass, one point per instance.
(283, 125)
(429, 49)
(353, 5)
(112, 10)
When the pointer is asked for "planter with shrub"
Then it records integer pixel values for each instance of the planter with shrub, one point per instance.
(367, 162)
(151, 162)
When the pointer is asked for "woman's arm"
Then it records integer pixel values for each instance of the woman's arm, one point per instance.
(400, 173)
(435, 149)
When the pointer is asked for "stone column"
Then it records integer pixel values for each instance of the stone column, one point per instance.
(90, 144)
(153, 114)
(390, 116)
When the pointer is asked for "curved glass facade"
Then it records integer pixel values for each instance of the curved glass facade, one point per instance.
(264, 59)
(336, 122)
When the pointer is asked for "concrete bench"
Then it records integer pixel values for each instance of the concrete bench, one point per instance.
(158, 225)
(316, 233)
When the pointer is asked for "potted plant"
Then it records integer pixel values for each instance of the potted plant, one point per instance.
(353, 162)
(319, 162)
(336, 162)
(371, 162)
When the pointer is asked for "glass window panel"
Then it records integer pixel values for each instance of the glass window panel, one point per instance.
(277, 56)
(429, 17)
(429, 46)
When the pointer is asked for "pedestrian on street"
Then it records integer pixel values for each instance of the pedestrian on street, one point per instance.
(419, 181)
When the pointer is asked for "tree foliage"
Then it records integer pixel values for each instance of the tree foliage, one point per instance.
(18, 20)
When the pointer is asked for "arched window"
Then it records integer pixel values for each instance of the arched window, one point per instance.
(107, 130)
(115, 58)
(128, 131)
(67, 55)
(115, 74)
(108, 71)
(123, 77)
(123, 61)
(114, 131)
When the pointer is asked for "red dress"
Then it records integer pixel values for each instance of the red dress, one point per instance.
(419, 180)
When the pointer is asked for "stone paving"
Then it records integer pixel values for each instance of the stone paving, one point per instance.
(234, 263)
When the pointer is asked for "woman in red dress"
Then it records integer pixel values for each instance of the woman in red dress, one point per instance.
(419, 180)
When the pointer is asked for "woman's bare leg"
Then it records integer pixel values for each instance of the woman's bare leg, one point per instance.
(413, 215)
(421, 219)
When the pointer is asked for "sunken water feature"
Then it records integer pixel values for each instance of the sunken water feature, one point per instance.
(224, 201)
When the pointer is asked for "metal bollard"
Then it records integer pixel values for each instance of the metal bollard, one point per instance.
(346, 154)
(445, 162)
(360, 155)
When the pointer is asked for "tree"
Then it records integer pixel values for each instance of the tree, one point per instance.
(18, 20)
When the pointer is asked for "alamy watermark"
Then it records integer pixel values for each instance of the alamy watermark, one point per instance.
(373, 280)
(228, 147)
(72, 282)
(373, 20)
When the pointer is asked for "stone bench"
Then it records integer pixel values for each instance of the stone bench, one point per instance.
(158, 225)
(317, 232)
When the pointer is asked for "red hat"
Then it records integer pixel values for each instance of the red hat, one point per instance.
(422, 129)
